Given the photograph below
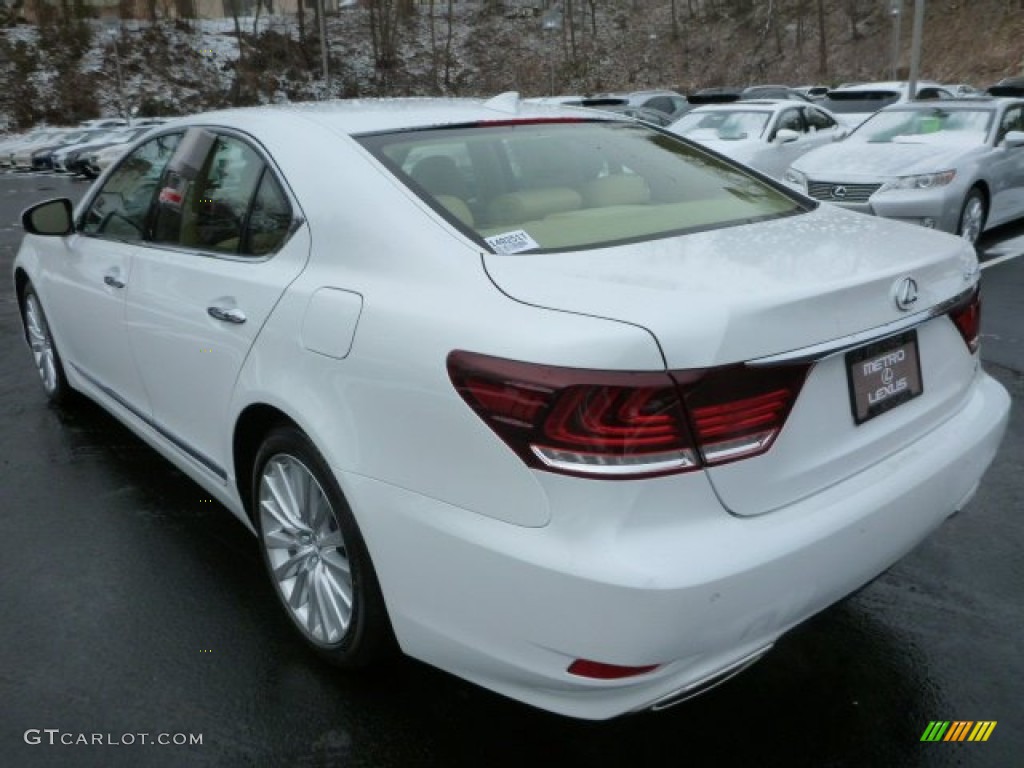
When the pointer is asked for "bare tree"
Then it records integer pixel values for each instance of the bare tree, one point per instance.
(822, 41)
(384, 18)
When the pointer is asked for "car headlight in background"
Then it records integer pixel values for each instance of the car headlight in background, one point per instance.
(797, 179)
(923, 181)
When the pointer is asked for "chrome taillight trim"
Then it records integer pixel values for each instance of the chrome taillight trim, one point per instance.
(626, 466)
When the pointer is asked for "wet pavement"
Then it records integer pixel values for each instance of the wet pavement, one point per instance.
(130, 604)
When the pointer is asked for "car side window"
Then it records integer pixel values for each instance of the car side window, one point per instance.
(269, 220)
(121, 207)
(818, 120)
(661, 103)
(1013, 120)
(791, 120)
(209, 212)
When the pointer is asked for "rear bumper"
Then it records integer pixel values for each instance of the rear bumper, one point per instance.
(663, 576)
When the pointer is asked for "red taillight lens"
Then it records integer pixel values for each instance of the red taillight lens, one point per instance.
(599, 671)
(967, 318)
(622, 424)
(578, 421)
(738, 411)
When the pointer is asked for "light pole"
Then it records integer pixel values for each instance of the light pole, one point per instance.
(323, 46)
(915, 48)
(113, 30)
(896, 11)
(550, 22)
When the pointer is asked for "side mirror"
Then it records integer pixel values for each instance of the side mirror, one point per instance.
(786, 135)
(54, 217)
(840, 133)
(1013, 139)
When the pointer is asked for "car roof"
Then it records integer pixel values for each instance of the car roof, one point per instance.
(359, 116)
(751, 105)
(888, 85)
(972, 102)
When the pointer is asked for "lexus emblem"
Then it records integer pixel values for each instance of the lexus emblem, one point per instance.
(839, 193)
(906, 294)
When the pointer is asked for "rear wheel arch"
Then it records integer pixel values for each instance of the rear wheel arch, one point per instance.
(253, 425)
(21, 282)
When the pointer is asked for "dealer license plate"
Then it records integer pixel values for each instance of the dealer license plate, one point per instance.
(883, 375)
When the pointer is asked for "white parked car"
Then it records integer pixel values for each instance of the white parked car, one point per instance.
(766, 135)
(569, 407)
(955, 165)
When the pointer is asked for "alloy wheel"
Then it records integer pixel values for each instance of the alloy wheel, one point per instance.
(41, 343)
(972, 219)
(305, 550)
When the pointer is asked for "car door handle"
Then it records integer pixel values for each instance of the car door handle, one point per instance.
(232, 315)
(113, 282)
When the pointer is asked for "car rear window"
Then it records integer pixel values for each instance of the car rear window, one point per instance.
(564, 185)
(852, 102)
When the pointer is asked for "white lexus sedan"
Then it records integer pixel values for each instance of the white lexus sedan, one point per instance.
(559, 402)
(768, 135)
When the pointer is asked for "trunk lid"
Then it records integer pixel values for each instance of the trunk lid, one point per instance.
(741, 293)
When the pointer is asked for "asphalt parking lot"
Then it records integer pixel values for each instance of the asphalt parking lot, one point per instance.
(131, 604)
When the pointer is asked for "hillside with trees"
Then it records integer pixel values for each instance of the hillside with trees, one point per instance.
(70, 65)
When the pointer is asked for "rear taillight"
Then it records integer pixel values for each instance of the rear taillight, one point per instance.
(967, 319)
(621, 424)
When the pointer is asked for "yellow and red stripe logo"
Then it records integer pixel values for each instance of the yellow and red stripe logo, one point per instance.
(958, 730)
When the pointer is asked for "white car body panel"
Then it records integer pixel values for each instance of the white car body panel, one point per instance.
(167, 318)
(87, 312)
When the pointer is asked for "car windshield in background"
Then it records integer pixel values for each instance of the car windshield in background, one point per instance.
(925, 126)
(729, 125)
(562, 185)
(855, 102)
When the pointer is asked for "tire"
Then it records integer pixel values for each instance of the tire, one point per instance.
(972, 216)
(44, 351)
(314, 554)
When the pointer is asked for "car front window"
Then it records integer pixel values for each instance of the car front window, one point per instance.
(561, 185)
(934, 125)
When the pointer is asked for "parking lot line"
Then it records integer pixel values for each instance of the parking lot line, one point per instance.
(1000, 259)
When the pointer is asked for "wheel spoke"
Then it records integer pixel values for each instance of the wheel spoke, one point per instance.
(335, 615)
(280, 539)
(294, 566)
(341, 587)
(291, 502)
(281, 506)
(300, 590)
(319, 509)
(332, 540)
(337, 561)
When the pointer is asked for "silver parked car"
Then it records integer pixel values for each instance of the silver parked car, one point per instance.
(955, 165)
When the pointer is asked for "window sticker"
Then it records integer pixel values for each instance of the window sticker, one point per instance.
(512, 242)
